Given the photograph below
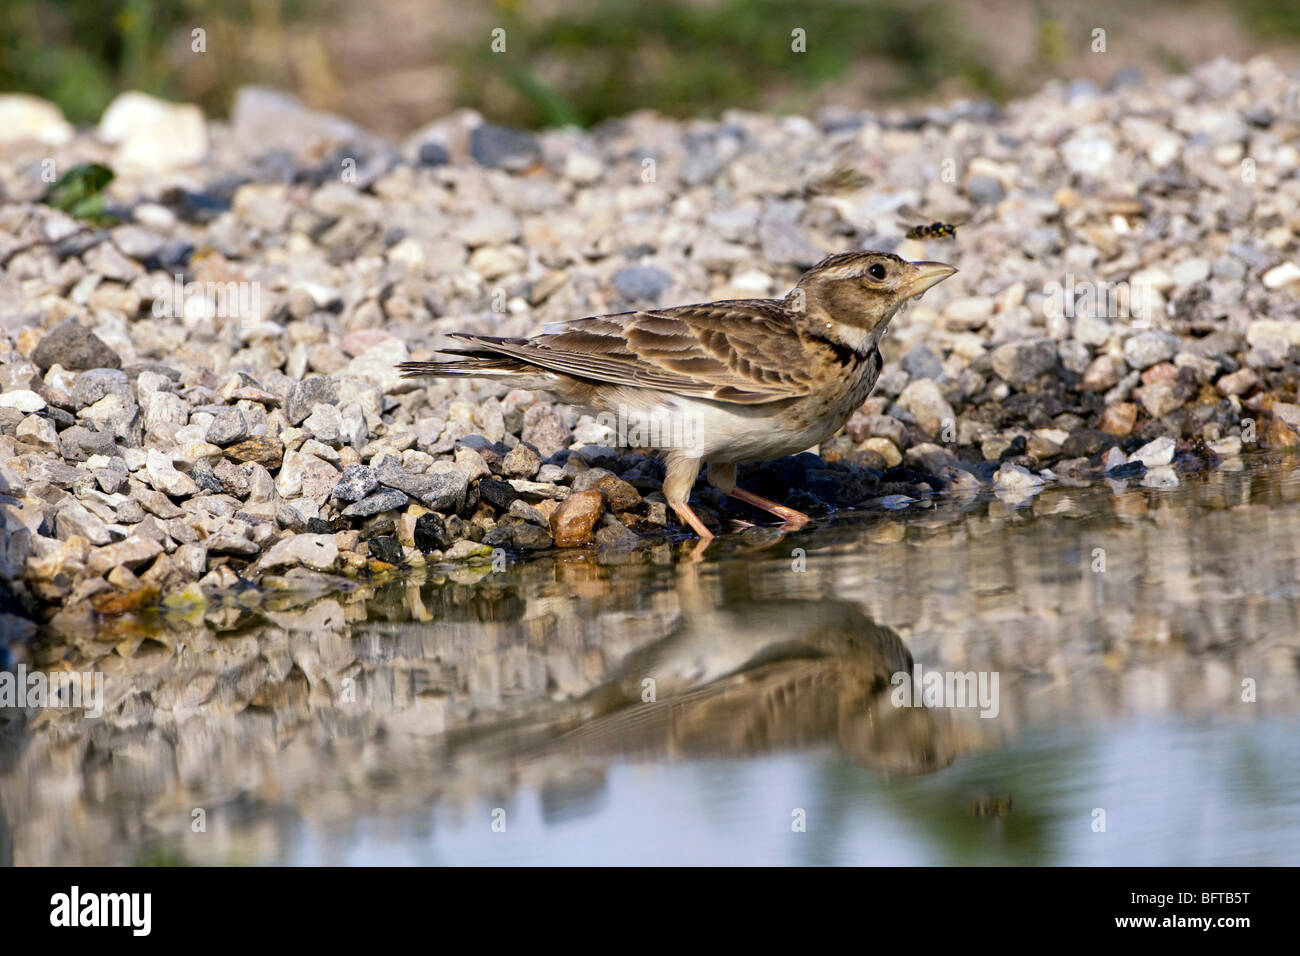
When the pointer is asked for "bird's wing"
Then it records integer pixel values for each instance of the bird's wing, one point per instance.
(746, 351)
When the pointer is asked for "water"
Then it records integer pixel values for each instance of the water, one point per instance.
(1144, 644)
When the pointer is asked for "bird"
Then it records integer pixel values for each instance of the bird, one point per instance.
(717, 383)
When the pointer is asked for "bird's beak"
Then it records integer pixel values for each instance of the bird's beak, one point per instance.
(928, 275)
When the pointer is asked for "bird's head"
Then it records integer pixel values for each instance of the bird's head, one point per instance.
(861, 291)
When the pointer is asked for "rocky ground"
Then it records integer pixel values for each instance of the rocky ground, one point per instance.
(162, 444)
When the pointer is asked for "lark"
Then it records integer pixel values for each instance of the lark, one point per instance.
(718, 383)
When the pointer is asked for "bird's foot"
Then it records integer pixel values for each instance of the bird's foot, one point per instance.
(793, 520)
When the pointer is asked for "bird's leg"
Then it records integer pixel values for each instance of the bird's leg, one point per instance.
(679, 479)
(722, 475)
(794, 519)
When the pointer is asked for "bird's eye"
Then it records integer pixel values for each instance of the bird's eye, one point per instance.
(877, 271)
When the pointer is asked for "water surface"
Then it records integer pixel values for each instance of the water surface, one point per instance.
(637, 707)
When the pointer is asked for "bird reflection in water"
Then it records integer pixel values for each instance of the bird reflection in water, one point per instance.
(747, 676)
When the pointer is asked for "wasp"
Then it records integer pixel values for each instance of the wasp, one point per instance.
(933, 230)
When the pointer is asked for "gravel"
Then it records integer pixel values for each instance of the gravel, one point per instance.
(1127, 309)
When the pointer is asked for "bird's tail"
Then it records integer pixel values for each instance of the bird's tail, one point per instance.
(470, 363)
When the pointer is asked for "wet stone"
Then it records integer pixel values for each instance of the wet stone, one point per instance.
(386, 548)
(573, 522)
(431, 533)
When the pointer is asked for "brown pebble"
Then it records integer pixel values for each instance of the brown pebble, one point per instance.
(1119, 419)
(573, 521)
(267, 452)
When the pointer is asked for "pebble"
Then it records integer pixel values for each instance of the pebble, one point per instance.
(642, 282)
(1155, 453)
(73, 346)
(500, 147)
(574, 521)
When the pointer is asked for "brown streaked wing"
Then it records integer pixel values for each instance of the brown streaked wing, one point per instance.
(744, 351)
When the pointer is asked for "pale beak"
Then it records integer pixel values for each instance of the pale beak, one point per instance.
(928, 275)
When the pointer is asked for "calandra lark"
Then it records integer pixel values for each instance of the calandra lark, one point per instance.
(739, 380)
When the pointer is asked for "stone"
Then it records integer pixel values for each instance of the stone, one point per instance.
(1022, 362)
(38, 431)
(545, 428)
(642, 283)
(306, 475)
(325, 424)
(268, 452)
(356, 483)
(132, 552)
(470, 551)
(986, 190)
(1240, 382)
(165, 478)
(1279, 277)
(97, 383)
(1145, 349)
(886, 449)
(501, 147)
(921, 362)
(1016, 477)
(1102, 374)
(618, 494)
(386, 499)
(74, 347)
(386, 548)
(1119, 419)
(233, 544)
(26, 118)
(496, 493)
(308, 393)
(573, 522)
(72, 517)
(152, 135)
(521, 462)
(22, 399)
(79, 443)
(228, 427)
(1158, 399)
(972, 312)
(927, 405)
(1155, 453)
(490, 226)
(431, 533)
(319, 552)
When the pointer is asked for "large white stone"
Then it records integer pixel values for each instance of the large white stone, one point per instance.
(153, 135)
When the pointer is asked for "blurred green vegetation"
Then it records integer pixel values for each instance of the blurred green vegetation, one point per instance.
(609, 57)
(80, 193)
(81, 53)
(1271, 18)
(576, 61)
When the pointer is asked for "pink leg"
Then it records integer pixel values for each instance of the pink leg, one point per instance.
(795, 519)
(691, 518)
